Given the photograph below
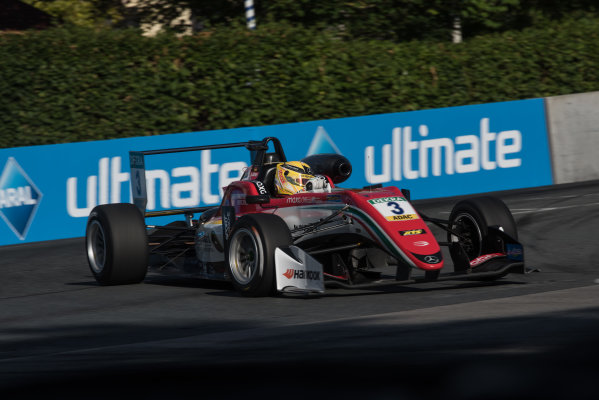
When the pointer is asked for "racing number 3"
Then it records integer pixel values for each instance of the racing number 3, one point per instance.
(395, 208)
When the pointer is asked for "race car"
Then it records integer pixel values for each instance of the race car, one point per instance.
(266, 243)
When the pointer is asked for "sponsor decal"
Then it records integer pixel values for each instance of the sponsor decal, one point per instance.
(445, 152)
(431, 259)
(385, 200)
(484, 258)
(515, 252)
(401, 217)
(412, 232)
(289, 273)
(228, 219)
(394, 208)
(322, 143)
(293, 168)
(178, 187)
(294, 200)
(409, 158)
(301, 274)
(260, 187)
(19, 198)
(136, 160)
(301, 199)
(421, 243)
(297, 270)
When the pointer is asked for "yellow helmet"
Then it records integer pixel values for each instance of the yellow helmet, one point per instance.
(291, 177)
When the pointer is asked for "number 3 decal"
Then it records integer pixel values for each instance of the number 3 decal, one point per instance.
(395, 208)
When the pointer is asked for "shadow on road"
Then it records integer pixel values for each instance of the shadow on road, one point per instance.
(552, 356)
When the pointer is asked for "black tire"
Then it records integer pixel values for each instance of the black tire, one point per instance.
(432, 275)
(251, 253)
(117, 244)
(472, 217)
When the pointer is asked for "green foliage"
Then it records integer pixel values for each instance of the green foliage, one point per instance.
(75, 84)
(66, 85)
(401, 20)
(86, 13)
(397, 20)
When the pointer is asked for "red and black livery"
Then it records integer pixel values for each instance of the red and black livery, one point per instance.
(265, 243)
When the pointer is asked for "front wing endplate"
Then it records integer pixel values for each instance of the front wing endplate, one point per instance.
(297, 271)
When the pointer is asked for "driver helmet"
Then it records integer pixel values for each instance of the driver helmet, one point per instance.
(291, 177)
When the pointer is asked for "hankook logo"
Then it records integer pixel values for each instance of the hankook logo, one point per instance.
(288, 274)
(301, 274)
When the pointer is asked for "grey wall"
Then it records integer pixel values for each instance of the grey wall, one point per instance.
(573, 124)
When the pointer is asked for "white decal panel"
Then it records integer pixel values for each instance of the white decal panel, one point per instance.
(296, 270)
(394, 208)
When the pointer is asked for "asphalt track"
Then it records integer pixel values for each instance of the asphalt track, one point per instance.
(524, 336)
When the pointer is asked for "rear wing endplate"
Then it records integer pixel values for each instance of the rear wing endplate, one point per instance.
(138, 180)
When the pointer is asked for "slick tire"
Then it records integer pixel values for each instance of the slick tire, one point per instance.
(117, 244)
(472, 218)
(251, 253)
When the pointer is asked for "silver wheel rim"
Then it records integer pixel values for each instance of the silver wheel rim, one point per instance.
(466, 225)
(245, 255)
(96, 246)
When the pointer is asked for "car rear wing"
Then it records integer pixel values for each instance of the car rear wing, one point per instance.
(257, 148)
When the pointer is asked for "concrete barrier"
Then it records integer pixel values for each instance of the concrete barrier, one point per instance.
(573, 125)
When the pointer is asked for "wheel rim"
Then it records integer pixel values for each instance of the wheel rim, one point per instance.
(96, 246)
(471, 237)
(244, 255)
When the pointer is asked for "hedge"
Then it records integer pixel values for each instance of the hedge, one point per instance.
(65, 85)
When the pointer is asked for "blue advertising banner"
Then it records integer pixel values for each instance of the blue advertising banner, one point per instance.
(47, 192)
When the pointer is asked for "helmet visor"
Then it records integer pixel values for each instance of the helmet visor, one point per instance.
(298, 179)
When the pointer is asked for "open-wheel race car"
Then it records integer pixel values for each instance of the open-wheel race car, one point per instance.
(265, 243)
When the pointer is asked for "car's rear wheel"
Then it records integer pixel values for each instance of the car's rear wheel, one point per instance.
(470, 219)
(250, 253)
(117, 244)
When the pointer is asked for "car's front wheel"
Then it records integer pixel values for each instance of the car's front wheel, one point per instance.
(250, 252)
(470, 221)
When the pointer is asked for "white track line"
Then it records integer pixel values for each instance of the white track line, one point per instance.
(545, 209)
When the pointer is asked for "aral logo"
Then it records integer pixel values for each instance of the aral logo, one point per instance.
(322, 143)
(19, 198)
